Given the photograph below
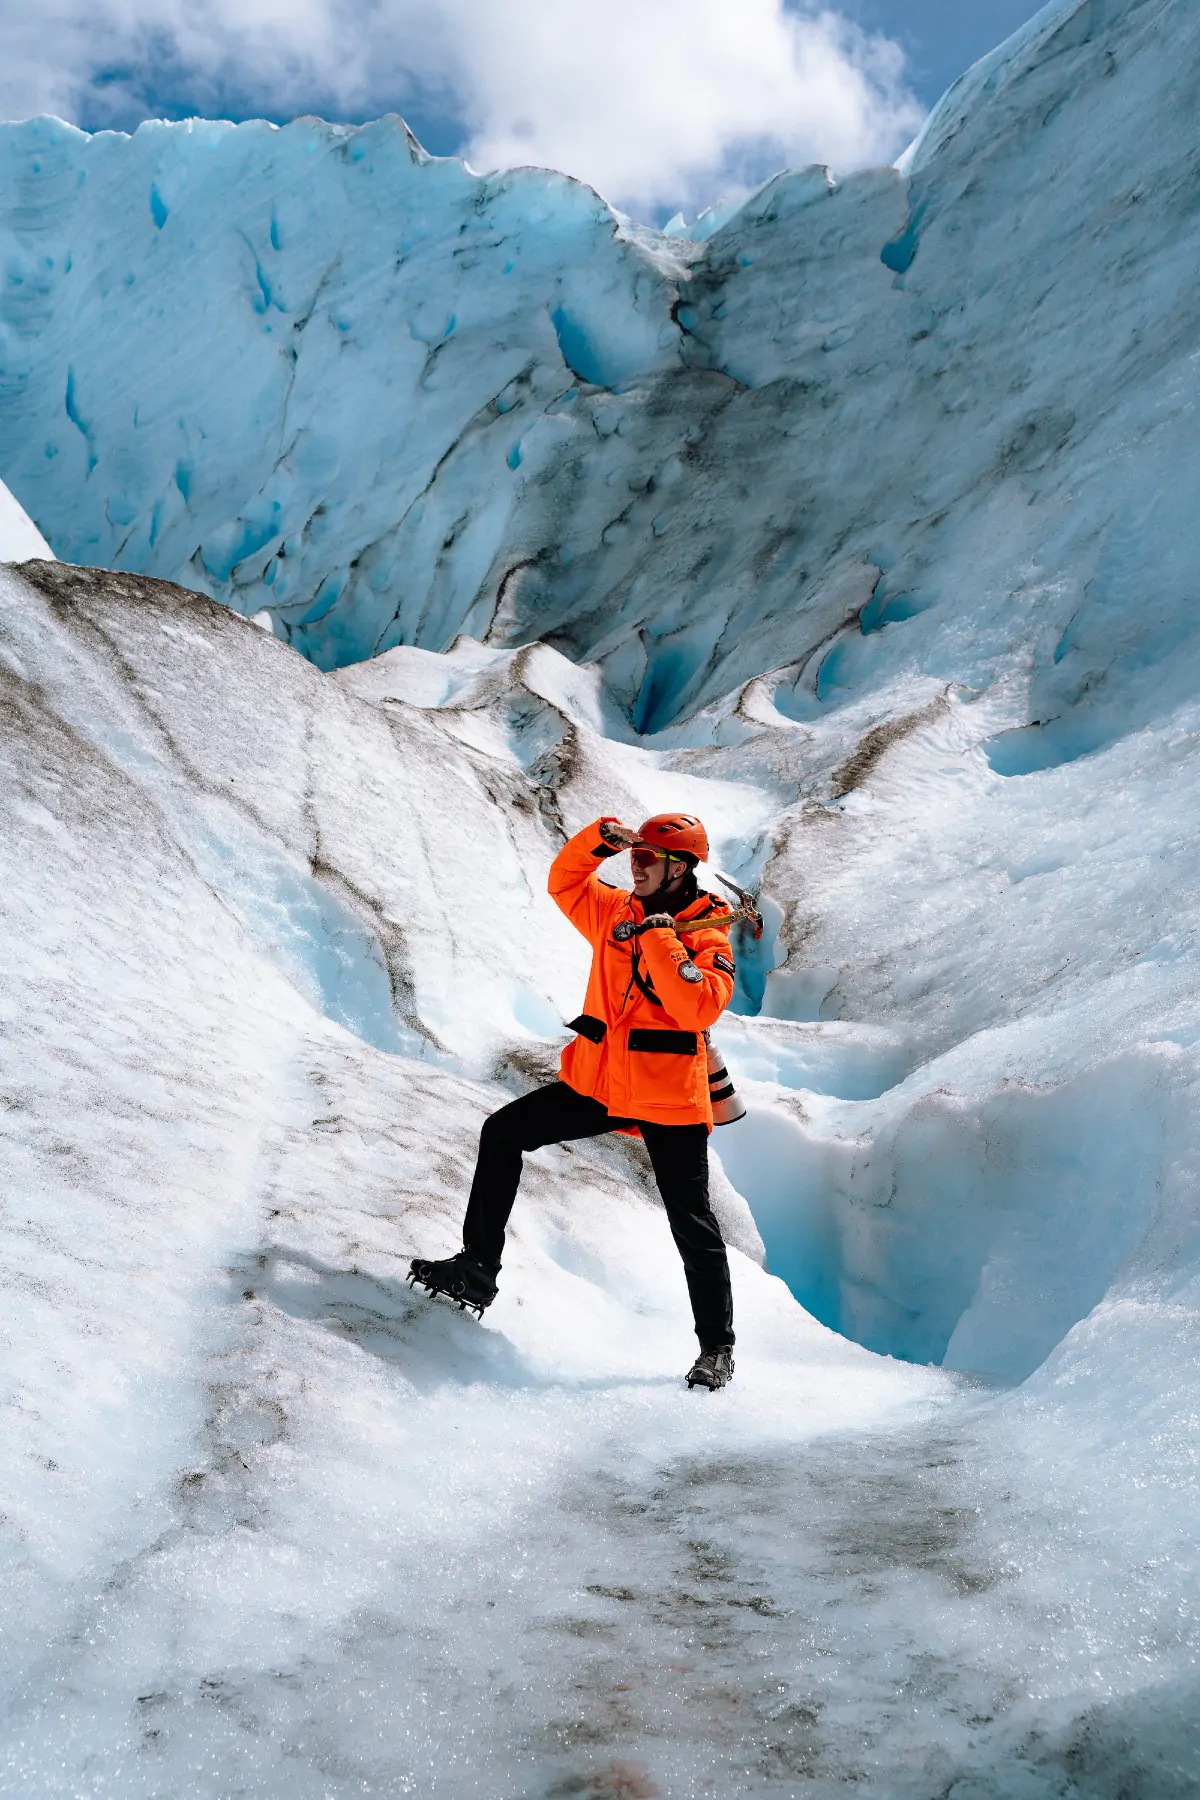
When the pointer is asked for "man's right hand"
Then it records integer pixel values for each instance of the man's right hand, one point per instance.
(616, 834)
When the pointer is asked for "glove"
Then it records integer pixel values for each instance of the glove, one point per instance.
(658, 922)
(617, 835)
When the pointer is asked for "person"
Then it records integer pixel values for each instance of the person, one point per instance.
(662, 972)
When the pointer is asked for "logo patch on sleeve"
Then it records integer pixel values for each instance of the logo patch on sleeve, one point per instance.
(723, 962)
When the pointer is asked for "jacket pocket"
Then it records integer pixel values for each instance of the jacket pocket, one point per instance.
(588, 1027)
(663, 1043)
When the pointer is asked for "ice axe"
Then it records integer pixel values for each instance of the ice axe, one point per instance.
(727, 1104)
(745, 914)
(747, 909)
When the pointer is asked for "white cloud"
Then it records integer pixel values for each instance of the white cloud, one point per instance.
(655, 102)
(658, 101)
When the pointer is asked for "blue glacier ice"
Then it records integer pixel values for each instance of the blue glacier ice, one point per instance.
(861, 521)
(386, 400)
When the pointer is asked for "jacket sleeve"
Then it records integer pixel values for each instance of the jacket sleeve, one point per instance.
(694, 1005)
(575, 885)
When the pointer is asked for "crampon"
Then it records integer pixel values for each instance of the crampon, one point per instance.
(713, 1369)
(458, 1278)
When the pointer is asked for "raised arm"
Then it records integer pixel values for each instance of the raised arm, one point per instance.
(575, 885)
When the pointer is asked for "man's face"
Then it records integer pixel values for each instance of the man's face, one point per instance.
(654, 872)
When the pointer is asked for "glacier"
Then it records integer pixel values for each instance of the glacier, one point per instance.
(862, 525)
(431, 403)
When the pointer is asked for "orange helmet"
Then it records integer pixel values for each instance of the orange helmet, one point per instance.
(681, 833)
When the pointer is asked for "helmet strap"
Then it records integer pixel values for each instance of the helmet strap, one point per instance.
(688, 889)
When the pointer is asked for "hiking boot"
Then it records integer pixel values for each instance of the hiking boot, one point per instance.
(712, 1368)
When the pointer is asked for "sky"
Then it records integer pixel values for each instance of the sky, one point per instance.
(662, 105)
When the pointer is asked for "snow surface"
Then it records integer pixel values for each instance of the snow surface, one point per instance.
(273, 1524)
(867, 530)
(20, 538)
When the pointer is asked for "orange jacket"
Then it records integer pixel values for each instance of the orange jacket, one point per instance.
(640, 1049)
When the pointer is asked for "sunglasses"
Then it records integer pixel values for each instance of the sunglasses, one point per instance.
(644, 856)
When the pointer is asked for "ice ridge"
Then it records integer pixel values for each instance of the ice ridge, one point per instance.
(387, 401)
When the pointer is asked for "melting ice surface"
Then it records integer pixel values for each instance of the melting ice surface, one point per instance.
(867, 532)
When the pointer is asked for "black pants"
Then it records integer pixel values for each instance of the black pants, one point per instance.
(679, 1154)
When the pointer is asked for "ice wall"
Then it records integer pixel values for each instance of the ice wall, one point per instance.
(246, 358)
(323, 374)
